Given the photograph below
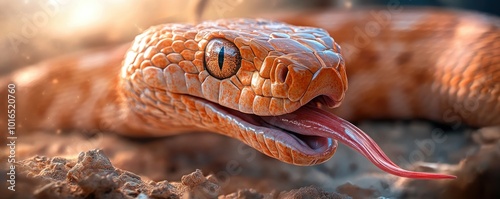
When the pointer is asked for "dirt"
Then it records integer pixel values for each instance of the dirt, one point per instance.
(205, 165)
(92, 175)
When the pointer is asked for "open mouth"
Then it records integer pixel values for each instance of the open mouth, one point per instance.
(314, 132)
(305, 135)
(303, 140)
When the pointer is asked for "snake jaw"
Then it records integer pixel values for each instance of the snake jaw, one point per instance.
(286, 145)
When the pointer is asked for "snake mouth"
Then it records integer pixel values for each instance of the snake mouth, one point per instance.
(308, 141)
(304, 142)
(309, 136)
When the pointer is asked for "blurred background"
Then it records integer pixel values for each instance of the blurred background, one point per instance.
(33, 30)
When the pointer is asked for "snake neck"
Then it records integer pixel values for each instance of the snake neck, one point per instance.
(77, 91)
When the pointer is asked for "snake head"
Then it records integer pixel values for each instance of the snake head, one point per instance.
(281, 67)
(258, 81)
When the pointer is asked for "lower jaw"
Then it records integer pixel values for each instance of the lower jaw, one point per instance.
(314, 143)
(305, 144)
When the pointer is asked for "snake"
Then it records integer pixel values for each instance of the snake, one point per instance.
(279, 88)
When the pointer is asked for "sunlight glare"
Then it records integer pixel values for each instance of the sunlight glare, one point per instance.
(86, 14)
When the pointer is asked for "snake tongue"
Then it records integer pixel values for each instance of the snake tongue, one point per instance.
(313, 121)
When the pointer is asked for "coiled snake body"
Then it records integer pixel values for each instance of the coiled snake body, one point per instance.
(268, 84)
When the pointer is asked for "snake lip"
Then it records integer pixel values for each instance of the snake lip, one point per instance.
(321, 100)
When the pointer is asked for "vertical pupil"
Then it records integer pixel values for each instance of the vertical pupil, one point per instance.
(221, 58)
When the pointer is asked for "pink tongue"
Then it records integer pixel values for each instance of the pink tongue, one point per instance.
(313, 121)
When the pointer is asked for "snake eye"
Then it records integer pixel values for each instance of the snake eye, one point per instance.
(222, 58)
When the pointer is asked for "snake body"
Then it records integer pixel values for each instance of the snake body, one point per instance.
(270, 84)
(441, 65)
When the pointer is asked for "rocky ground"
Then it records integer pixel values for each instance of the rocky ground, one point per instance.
(205, 165)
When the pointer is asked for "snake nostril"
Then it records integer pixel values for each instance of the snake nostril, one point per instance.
(282, 74)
